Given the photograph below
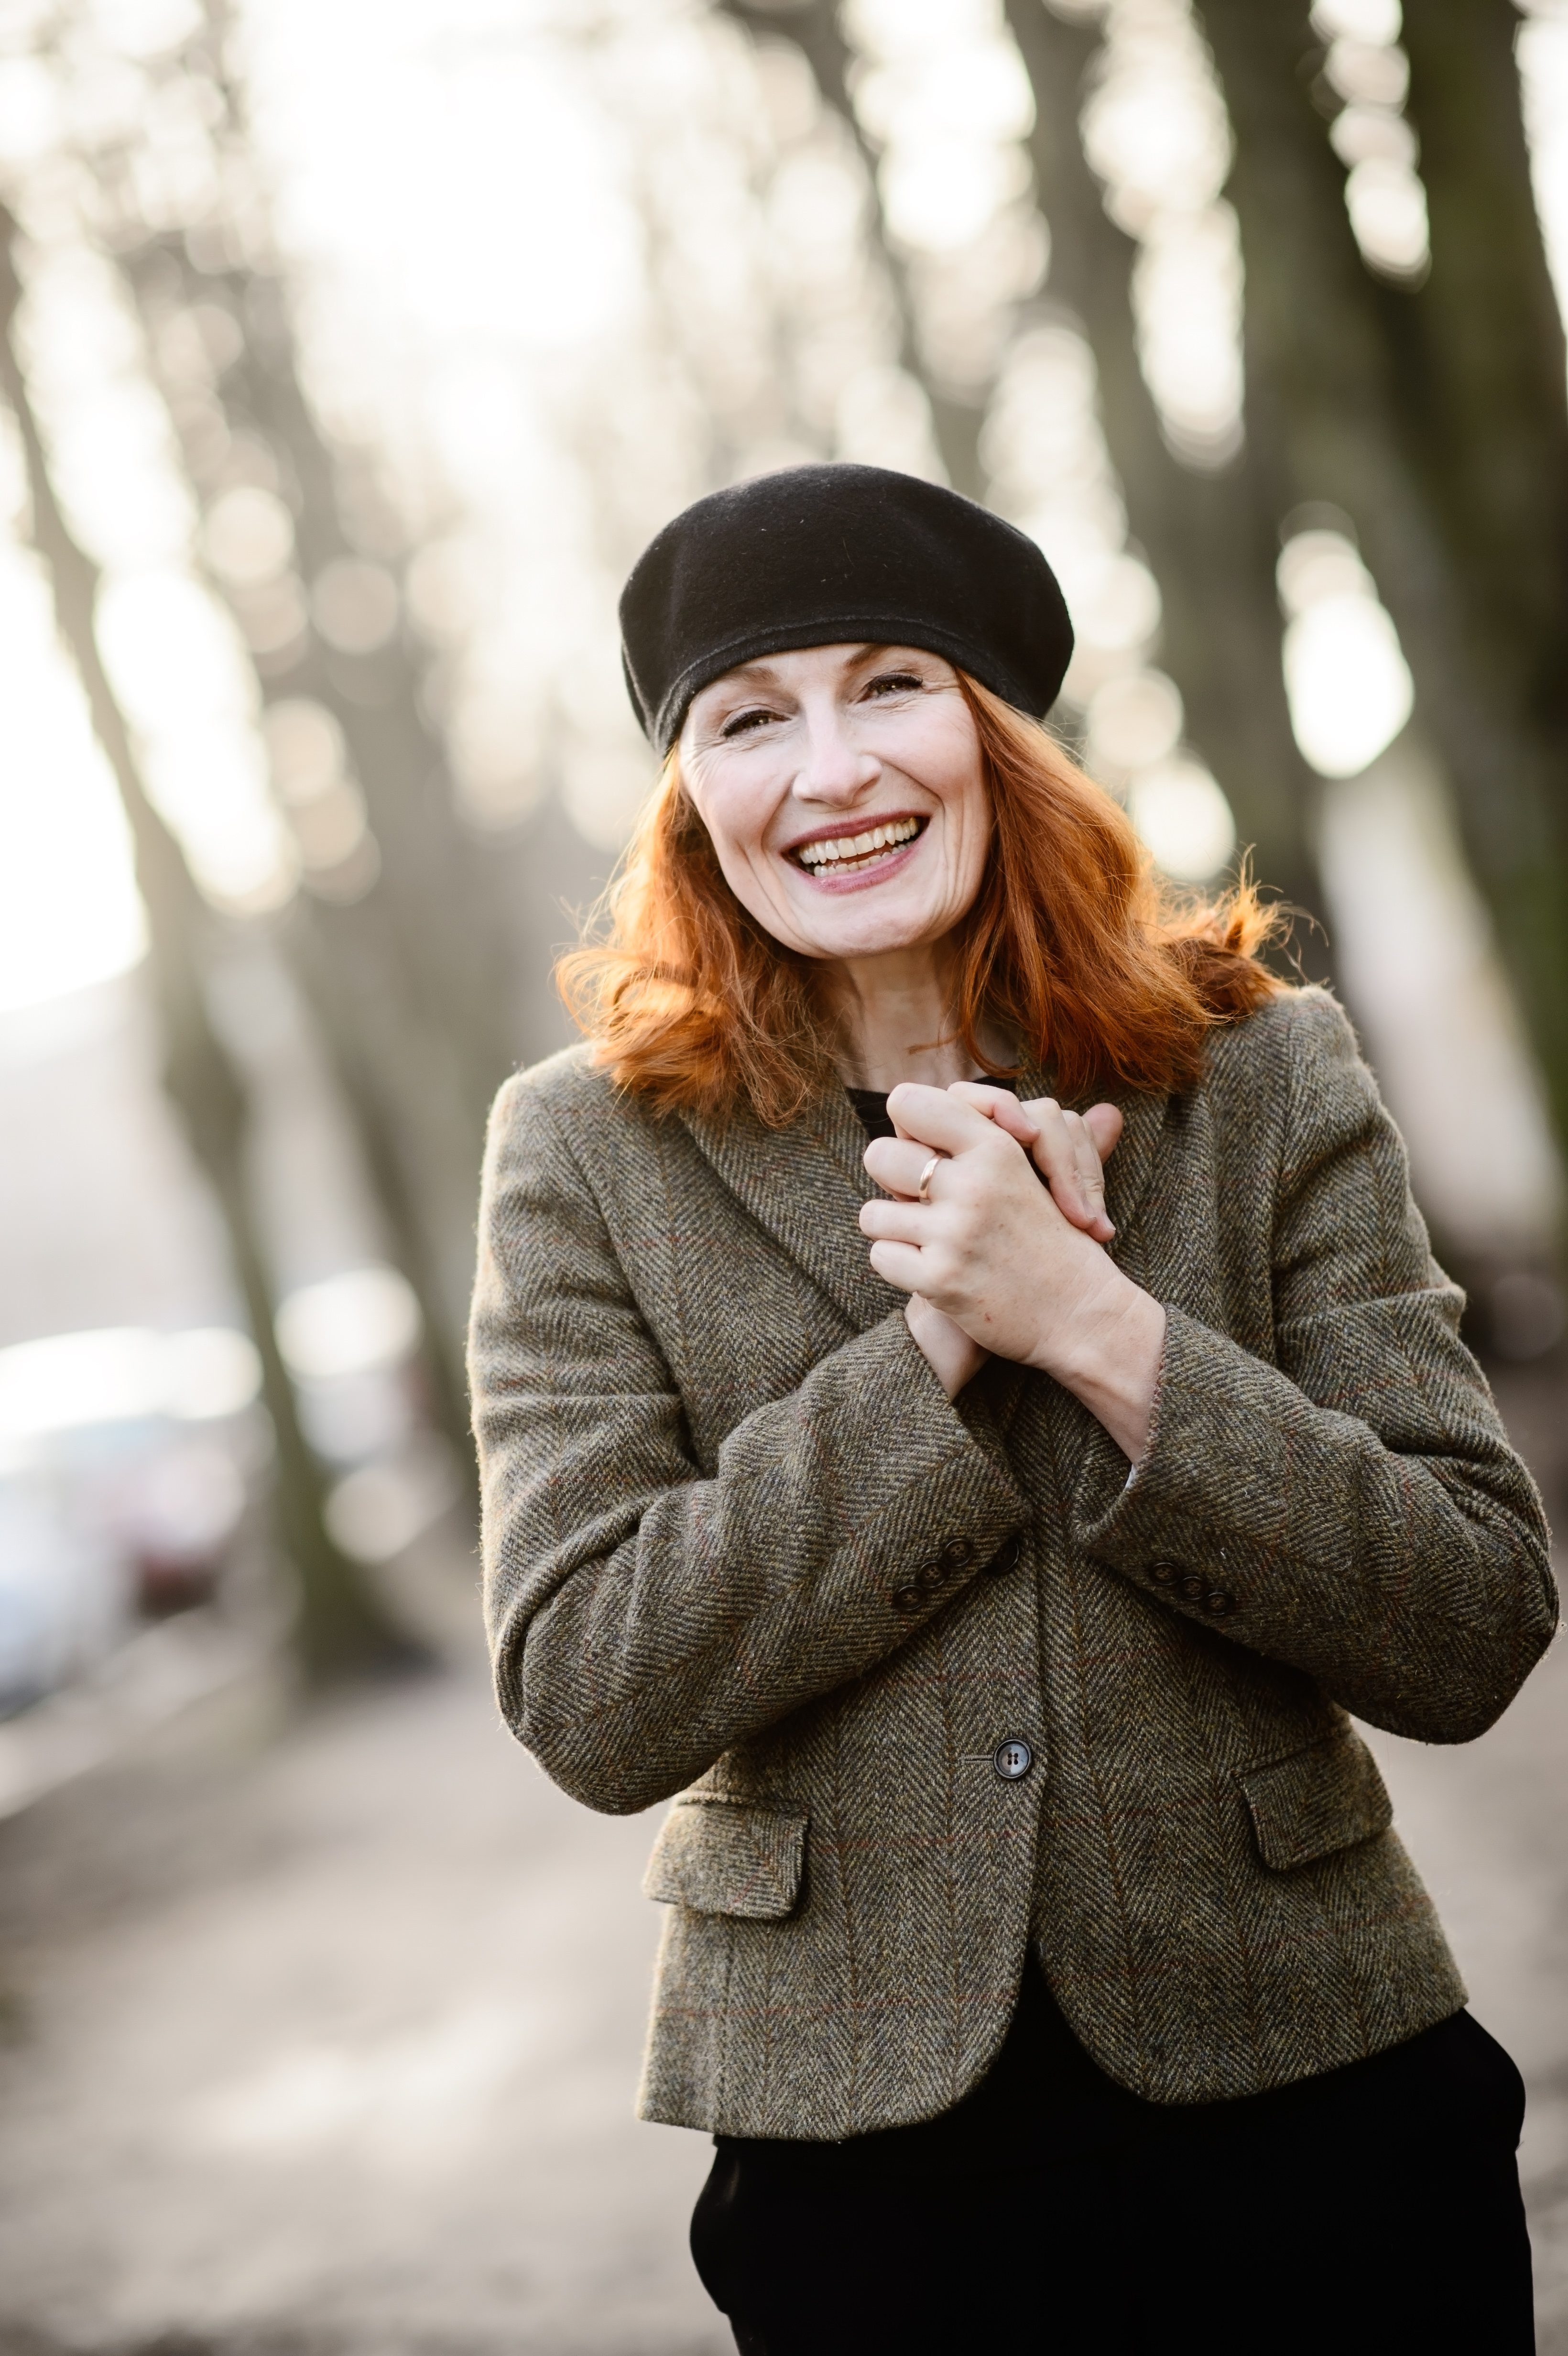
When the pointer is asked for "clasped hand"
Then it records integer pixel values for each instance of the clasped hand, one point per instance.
(996, 1263)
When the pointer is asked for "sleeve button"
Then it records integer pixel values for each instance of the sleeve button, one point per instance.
(1192, 1588)
(909, 1599)
(1006, 1558)
(1219, 1602)
(1164, 1574)
(956, 1553)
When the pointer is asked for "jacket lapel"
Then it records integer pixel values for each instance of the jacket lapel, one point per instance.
(804, 1185)
(1128, 1174)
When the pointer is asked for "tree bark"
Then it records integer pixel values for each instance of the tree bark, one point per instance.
(1437, 418)
(404, 982)
(341, 1627)
(1211, 540)
(815, 31)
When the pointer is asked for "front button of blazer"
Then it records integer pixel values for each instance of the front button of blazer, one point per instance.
(1013, 1759)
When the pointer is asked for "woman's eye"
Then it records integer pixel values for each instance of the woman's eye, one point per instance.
(895, 682)
(741, 723)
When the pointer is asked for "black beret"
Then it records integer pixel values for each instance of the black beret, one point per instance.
(838, 555)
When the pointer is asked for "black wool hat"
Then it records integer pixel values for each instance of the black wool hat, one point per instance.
(836, 555)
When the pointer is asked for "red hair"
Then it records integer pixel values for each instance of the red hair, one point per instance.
(1104, 974)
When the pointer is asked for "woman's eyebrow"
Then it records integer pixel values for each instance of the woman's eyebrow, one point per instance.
(749, 678)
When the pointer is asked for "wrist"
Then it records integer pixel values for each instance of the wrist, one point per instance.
(1086, 1333)
(1107, 1352)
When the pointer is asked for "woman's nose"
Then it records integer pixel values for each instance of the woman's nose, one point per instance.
(834, 768)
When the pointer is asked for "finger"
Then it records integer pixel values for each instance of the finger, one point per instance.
(938, 1118)
(1091, 1177)
(1055, 1156)
(1104, 1123)
(900, 1222)
(1000, 1106)
(896, 1164)
(1065, 1155)
(898, 1264)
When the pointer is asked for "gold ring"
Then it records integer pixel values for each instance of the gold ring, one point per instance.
(923, 1189)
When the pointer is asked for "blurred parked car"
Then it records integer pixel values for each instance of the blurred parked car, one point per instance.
(127, 1459)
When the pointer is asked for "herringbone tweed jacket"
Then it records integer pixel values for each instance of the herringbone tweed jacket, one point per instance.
(740, 1547)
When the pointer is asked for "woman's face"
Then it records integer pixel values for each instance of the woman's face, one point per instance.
(844, 792)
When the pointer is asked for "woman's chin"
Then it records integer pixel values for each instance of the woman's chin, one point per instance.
(851, 930)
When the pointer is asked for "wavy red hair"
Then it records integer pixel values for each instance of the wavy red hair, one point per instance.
(1104, 973)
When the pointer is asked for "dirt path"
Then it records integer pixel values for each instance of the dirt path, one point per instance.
(319, 2038)
(329, 2043)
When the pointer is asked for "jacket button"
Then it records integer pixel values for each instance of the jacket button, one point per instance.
(1164, 1574)
(1192, 1588)
(956, 1553)
(1219, 1602)
(1008, 1559)
(909, 1599)
(1013, 1759)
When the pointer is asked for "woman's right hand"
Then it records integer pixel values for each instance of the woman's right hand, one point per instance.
(1069, 1150)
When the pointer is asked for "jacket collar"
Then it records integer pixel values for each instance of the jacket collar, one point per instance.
(804, 1185)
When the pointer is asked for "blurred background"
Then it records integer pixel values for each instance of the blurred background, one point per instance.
(348, 355)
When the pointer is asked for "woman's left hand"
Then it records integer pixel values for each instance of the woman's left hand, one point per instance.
(990, 1249)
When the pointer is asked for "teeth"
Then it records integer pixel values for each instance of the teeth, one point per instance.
(840, 850)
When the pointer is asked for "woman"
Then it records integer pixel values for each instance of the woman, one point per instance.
(989, 1565)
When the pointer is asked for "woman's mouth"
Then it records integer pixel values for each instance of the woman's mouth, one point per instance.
(852, 854)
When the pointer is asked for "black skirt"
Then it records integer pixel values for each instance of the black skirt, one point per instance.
(1375, 2208)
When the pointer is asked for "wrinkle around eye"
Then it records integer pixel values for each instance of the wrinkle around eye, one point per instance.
(743, 724)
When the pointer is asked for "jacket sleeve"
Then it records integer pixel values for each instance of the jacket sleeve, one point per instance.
(643, 1618)
(1354, 1509)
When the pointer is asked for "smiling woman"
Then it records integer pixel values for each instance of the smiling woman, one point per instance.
(1013, 887)
(1118, 982)
(982, 1515)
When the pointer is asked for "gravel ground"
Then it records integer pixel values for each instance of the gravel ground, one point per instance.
(322, 2037)
(318, 2036)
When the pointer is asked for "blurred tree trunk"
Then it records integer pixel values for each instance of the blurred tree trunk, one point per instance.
(409, 980)
(1212, 539)
(1438, 419)
(409, 970)
(813, 28)
(341, 1627)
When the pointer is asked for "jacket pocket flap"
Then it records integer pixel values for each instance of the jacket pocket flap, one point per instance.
(720, 1858)
(1317, 1801)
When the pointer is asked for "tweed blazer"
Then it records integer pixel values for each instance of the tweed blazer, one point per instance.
(740, 1549)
